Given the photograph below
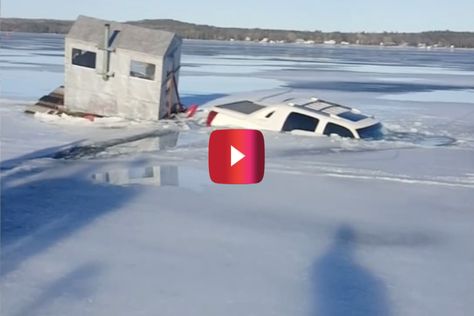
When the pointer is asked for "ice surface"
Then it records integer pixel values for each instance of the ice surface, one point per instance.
(337, 227)
(466, 96)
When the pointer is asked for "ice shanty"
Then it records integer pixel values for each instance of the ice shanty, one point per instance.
(116, 69)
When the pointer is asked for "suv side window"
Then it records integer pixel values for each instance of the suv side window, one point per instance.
(300, 122)
(332, 128)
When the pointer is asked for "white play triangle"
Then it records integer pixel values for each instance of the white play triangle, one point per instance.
(235, 156)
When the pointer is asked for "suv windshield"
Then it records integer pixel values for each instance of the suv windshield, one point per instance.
(372, 132)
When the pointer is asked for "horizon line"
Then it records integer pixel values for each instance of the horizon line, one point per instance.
(246, 28)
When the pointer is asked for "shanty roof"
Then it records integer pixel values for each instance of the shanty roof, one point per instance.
(130, 37)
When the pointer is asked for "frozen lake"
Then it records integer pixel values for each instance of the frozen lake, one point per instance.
(337, 226)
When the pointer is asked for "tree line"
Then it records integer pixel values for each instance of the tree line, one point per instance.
(207, 32)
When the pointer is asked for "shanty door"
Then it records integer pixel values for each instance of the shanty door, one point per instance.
(173, 104)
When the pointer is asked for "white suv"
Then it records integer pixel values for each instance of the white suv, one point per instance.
(299, 116)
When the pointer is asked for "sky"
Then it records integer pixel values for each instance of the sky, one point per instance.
(310, 15)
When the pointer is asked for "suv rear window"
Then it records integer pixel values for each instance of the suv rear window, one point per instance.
(332, 128)
(298, 121)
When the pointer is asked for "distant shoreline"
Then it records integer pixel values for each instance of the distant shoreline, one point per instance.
(427, 40)
(394, 47)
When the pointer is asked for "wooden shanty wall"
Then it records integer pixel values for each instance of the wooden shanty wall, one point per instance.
(132, 82)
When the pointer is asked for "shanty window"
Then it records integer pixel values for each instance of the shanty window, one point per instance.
(83, 58)
(142, 70)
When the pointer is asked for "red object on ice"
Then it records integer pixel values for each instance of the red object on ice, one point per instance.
(89, 117)
(210, 117)
(191, 110)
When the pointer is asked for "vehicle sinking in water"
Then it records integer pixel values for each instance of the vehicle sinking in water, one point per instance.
(301, 116)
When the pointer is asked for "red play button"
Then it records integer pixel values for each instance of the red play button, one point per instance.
(236, 156)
